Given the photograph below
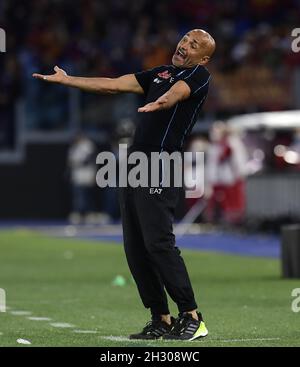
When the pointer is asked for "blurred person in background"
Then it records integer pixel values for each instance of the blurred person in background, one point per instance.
(226, 171)
(81, 164)
(123, 133)
(198, 143)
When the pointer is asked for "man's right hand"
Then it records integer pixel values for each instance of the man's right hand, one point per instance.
(59, 76)
(125, 83)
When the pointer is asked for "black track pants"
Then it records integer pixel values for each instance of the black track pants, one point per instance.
(154, 260)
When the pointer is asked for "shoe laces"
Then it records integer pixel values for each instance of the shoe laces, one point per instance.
(181, 323)
(151, 325)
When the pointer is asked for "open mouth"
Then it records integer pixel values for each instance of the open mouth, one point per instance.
(180, 55)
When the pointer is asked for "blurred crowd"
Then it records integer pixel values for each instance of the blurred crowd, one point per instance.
(119, 36)
(110, 38)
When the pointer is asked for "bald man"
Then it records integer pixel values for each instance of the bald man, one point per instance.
(174, 96)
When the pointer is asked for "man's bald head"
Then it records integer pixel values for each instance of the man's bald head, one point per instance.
(196, 47)
(208, 43)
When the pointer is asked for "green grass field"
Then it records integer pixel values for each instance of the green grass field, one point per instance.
(244, 301)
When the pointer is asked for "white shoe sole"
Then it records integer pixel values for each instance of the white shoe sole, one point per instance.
(201, 334)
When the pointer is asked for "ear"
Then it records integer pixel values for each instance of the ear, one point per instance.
(204, 60)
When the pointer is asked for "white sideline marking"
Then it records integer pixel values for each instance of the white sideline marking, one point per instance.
(23, 341)
(243, 340)
(124, 338)
(61, 324)
(39, 318)
(21, 313)
(85, 331)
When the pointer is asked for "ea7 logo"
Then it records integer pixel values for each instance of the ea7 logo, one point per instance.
(296, 42)
(155, 191)
(2, 40)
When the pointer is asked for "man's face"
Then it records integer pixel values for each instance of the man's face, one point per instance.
(190, 51)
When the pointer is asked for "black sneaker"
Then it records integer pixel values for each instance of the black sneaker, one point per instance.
(154, 329)
(187, 328)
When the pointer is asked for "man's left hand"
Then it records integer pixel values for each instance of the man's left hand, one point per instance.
(160, 104)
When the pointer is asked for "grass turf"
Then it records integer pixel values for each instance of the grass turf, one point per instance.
(244, 301)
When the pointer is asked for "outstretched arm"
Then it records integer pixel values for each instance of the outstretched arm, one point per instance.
(179, 92)
(125, 83)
